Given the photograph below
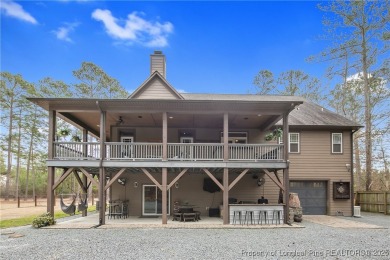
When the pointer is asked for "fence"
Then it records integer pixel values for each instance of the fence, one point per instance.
(373, 201)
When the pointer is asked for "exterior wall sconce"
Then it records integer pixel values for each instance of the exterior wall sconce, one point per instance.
(176, 185)
(348, 166)
(135, 184)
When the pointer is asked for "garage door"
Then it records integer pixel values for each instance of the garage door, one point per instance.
(312, 195)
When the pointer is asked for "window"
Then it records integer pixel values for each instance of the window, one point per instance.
(236, 137)
(293, 141)
(337, 142)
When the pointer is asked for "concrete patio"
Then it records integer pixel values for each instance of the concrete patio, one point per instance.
(92, 220)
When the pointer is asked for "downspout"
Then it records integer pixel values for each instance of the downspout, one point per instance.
(352, 177)
(100, 166)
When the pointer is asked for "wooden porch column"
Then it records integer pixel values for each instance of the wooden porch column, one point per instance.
(102, 177)
(225, 196)
(164, 196)
(226, 137)
(85, 154)
(286, 177)
(165, 136)
(51, 170)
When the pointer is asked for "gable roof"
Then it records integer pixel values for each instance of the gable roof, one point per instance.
(150, 85)
(310, 115)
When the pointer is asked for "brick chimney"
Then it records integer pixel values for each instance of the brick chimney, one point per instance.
(157, 63)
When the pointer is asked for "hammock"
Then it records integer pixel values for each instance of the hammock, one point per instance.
(83, 205)
(71, 209)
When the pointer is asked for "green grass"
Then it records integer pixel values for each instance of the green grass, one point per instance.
(23, 221)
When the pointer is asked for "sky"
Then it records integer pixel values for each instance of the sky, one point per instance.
(210, 47)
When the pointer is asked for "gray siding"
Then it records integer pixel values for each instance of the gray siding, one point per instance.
(316, 162)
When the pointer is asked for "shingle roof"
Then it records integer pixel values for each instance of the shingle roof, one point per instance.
(307, 114)
(310, 114)
(239, 97)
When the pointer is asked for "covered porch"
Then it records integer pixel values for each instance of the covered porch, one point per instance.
(157, 154)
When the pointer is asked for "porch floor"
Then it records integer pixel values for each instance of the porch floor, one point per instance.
(206, 222)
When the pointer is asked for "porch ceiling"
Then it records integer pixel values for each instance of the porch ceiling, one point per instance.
(185, 113)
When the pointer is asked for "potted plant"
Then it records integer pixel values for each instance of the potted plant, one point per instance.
(274, 135)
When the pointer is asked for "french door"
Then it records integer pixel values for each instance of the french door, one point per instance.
(127, 150)
(152, 200)
(186, 152)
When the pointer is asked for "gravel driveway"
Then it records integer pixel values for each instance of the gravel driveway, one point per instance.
(315, 241)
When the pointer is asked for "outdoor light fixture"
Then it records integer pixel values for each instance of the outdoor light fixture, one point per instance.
(176, 185)
(135, 184)
(348, 166)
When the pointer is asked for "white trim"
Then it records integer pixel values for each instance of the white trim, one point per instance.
(341, 142)
(289, 142)
(127, 151)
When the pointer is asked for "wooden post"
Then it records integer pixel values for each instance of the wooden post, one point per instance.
(226, 137)
(35, 200)
(51, 170)
(385, 200)
(225, 214)
(18, 202)
(102, 177)
(164, 196)
(93, 199)
(84, 213)
(165, 136)
(286, 177)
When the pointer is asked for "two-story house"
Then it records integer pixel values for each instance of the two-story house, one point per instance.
(160, 148)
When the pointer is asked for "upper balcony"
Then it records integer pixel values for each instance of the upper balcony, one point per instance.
(185, 153)
(176, 151)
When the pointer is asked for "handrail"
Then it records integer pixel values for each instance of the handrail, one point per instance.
(176, 151)
(76, 150)
(195, 151)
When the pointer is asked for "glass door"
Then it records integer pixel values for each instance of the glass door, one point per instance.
(152, 200)
(186, 151)
(127, 150)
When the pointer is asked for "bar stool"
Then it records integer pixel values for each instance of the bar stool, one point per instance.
(249, 214)
(277, 213)
(263, 215)
(236, 214)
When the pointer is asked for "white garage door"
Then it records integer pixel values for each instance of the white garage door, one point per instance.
(312, 195)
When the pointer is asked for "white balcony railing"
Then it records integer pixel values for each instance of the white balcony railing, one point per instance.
(176, 151)
(76, 150)
(133, 151)
(255, 152)
(195, 151)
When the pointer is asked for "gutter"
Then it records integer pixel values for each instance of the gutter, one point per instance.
(101, 171)
(352, 177)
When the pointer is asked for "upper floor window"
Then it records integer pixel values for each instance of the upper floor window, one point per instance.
(293, 141)
(337, 142)
(236, 137)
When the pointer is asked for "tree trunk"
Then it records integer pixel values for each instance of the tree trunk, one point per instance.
(32, 129)
(358, 166)
(33, 175)
(9, 153)
(18, 155)
(367, 113)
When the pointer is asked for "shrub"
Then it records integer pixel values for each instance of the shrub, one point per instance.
(43, 220)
